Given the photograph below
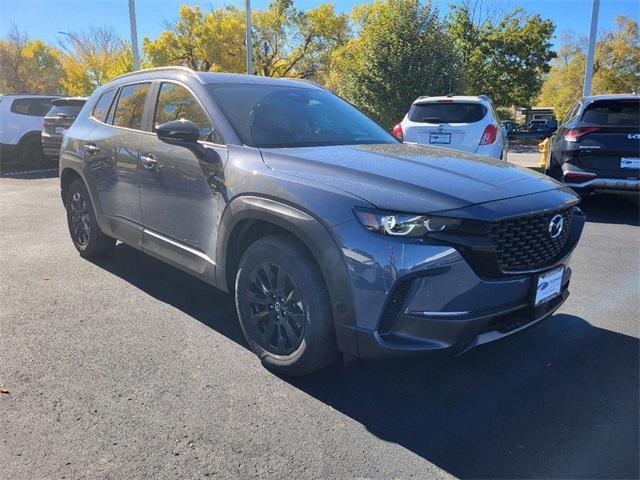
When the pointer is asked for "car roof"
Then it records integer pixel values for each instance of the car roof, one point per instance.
(208, 78)
(454, 98)
(28, 95)
(610, 96)
(69, 101)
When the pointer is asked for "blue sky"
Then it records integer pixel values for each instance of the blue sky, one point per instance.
(44, 18)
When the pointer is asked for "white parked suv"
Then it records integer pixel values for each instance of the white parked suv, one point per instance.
(20, 126)
(462, 123)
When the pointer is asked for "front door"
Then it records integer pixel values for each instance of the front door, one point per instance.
(181, 204)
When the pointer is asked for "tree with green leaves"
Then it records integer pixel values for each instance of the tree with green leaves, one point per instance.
(401, 51)
(616, 67)
(502, 56)
(28, 66)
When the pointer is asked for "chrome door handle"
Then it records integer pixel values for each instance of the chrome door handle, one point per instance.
(91, 148)
(148, 161)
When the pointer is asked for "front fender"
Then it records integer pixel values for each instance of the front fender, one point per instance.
(313, 234)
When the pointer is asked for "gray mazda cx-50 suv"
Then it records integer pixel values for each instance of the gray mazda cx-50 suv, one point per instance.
(332, 234)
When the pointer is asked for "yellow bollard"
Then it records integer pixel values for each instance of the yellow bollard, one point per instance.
(543, 148)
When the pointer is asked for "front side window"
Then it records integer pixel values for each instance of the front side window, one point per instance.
(101, 110)
(275, 116)
(130, 106)
(34, 107)
(176, 103)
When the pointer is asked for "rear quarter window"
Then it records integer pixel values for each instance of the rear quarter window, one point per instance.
(616, 113)
(458, 112)
(102, 106)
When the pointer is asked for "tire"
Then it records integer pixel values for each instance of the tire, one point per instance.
(553, 170)
(31, 154)
(83, 225)
(284, 308)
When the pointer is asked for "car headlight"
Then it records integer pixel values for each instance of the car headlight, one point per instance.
(404, 224)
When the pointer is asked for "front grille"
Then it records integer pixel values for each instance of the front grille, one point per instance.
(394, 306)
(525, 243)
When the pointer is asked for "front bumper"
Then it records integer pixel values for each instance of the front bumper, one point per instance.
(418, 298)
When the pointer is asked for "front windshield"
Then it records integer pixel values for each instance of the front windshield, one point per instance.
(273, 116)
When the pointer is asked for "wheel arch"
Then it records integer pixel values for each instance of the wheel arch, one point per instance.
(249, 218)
(67, 176)
(28, 135)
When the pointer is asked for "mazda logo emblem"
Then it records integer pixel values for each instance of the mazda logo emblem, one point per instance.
(555, 226)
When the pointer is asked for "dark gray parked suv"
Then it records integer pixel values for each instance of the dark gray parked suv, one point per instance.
(332, 234)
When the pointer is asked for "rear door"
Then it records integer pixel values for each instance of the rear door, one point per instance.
(111, 152)
(611, 148)
(447, 123)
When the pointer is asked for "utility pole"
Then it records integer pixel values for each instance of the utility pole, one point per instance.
(247, 12)
(592, 47)
(134, 35)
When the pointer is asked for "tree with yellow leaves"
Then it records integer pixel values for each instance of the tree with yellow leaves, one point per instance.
(616, 67)
(212, 41)
(28, 66)
(92, 58)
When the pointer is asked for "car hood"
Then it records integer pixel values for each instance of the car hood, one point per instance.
(408, 177)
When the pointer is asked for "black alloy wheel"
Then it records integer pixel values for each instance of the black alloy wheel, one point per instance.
(83, 225)
(277, 309)
(80, 220)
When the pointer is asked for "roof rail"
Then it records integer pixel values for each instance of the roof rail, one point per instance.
(485, 98)
(155, 69)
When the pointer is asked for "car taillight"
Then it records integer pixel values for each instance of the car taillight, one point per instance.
(397, 132)
(490, 134)
(578, 176)
(573, 134)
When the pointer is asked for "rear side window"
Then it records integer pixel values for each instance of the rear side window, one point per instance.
(34, 107)
(130, 106)
(175, 103)
(70, 111)
(101, 109)
(458, 112)
(615, 113)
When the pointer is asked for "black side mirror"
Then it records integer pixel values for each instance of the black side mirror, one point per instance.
(183, 133)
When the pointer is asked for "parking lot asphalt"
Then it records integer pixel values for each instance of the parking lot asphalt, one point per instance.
(128, 368)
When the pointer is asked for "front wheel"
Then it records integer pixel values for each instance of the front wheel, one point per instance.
(284, 308)
(83, 225)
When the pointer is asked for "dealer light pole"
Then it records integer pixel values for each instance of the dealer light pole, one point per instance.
(247, 12)
(592, 47)
(134, 35)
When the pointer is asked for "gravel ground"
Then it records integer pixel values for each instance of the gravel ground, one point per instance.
(127, 368)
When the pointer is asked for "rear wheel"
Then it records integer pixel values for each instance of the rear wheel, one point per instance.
(553, 170)
(284, 307)
(31, 154)
(83, 225)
